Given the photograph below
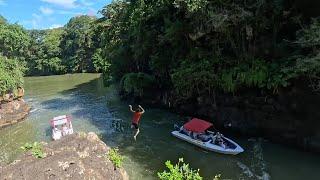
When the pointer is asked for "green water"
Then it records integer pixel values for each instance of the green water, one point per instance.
(96, 108)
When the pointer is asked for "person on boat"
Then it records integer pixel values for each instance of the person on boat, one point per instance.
(194, 135)
(58, 131)
(135, 120)
(64, 130)
(185, 131)
(219, 140)
(213, 138)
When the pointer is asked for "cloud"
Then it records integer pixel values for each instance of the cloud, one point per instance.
(46, 10)
(53, 26)
(63, 3)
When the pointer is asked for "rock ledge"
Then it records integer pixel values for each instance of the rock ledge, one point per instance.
(77, 156)
(13, 112)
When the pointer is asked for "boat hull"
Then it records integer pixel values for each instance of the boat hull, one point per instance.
(208, 145)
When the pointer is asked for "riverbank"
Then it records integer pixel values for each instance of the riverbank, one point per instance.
(78, 156)
(13, 112)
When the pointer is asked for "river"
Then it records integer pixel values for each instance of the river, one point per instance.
(96, 108)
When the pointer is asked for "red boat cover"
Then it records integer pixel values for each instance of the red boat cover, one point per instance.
(197, 125)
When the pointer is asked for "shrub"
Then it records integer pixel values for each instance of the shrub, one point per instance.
(36, 149)
(11, 74)
(180, 171)
(115, 157)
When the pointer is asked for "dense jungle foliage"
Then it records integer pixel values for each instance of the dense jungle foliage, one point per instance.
(198, 47)
(193, 47)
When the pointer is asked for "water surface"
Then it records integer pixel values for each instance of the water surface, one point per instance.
(98, 109)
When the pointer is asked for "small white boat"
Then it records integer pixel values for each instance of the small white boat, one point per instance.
(61, 126)
(197, 126)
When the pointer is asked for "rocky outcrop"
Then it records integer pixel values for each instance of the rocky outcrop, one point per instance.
(13, 112)
(78, 156)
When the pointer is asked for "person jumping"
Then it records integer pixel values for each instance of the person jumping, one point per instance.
(136, 118)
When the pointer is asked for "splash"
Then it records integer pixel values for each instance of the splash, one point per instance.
(258, 167)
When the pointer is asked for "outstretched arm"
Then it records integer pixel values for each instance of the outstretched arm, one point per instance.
(141, 109)
(131, 108)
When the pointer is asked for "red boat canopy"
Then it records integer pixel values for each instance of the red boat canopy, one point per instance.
(197, 125)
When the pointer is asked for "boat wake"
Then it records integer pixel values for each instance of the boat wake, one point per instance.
(257, 168)
(247, 172)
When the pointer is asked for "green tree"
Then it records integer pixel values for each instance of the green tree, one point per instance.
(45, 52)
(14, 41)
(77, 45)
(50, 47)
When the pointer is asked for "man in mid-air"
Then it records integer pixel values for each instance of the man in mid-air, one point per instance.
(135, 120)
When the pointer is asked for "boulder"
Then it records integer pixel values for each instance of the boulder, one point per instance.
(13, 112)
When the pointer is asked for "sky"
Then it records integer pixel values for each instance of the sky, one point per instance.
(45, 14)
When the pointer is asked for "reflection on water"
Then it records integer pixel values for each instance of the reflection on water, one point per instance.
(96, 108)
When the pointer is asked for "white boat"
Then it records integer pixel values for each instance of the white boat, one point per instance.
(61, 126)
(198, 126)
